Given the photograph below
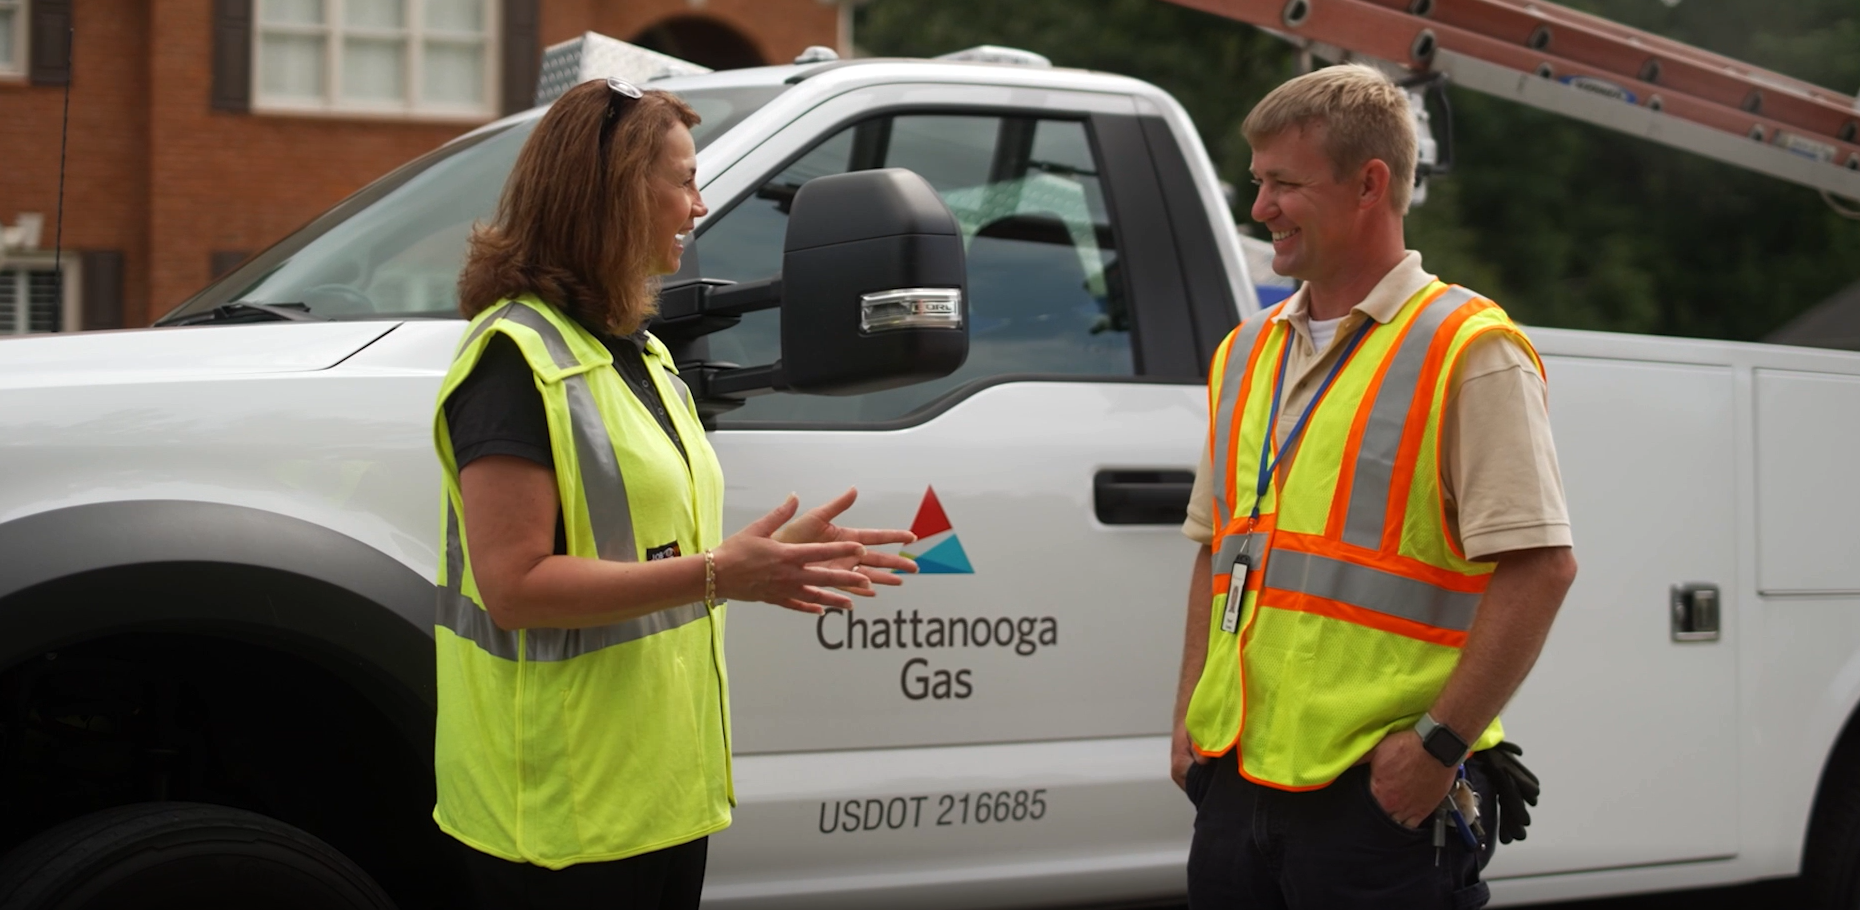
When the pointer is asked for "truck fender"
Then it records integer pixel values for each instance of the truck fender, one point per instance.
(350, 606)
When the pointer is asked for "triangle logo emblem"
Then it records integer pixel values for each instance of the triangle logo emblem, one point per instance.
(938, 551)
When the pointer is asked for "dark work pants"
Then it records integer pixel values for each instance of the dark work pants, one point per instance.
(1328, 849)
(669, 879)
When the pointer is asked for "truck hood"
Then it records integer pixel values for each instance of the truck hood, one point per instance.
(183, 351)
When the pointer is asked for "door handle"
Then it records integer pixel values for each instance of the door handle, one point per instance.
(1695, 612)
(1142, 497)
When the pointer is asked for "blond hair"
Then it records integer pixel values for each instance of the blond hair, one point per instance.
(1364, 115)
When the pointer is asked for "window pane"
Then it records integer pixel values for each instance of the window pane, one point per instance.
(397, 245)
(7, 38)
(9, 301)
(455, 15)
(745, 245)
(1044, 293)
(374, 14)
(291, 66)
(454, 73)
(401, 253)
(44, 309)
(950, 152)
(291, 12)
(374, 70)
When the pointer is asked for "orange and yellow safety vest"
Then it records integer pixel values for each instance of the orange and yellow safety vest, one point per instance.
(1358, 598)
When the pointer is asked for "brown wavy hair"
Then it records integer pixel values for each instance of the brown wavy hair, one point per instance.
(572, 228)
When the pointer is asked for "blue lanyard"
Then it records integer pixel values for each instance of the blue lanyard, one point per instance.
(1269, 462)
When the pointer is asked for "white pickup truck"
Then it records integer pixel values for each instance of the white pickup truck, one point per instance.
(218, 545)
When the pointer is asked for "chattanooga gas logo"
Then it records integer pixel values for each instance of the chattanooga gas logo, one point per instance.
(932, 677)
(941, 550)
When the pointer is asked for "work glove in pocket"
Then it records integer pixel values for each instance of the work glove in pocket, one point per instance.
(1514, 786)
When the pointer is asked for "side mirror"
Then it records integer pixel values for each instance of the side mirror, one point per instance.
(873, 294)
(874, 285)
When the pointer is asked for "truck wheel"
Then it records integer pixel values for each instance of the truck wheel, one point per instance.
(1831, 858)
(182, 856)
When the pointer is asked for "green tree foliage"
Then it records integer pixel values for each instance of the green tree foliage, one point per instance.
(1566, 224)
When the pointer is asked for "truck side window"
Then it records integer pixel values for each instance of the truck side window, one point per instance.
(1045, 293)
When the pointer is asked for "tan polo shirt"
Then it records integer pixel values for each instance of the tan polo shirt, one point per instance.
(1497, 461)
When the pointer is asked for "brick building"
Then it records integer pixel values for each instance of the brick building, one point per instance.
(201, 131)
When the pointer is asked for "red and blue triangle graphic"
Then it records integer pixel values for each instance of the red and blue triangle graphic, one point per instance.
(942, 552)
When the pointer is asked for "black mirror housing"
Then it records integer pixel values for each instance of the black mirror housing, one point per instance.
(874, 285)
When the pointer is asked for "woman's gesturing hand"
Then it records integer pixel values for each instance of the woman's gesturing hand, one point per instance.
(754, 565)
(816, 526)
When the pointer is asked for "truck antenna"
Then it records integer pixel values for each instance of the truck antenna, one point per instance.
(64, 139)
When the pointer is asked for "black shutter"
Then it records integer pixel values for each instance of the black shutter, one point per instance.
(232, 55)
(522, 54)
(102, 289)
(50, 38)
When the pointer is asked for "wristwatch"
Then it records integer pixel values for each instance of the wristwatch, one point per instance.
(1441, 742)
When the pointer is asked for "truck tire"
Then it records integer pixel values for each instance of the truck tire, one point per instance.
(169, 856)
(1831, 858)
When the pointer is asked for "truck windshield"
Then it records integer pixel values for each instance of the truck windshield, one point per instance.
(394, 249)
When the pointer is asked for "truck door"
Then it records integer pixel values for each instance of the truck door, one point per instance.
(1050, 610)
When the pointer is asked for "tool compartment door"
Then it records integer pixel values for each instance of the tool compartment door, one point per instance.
(1631, 731)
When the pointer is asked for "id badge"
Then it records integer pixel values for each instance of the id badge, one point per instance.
(1236, 589)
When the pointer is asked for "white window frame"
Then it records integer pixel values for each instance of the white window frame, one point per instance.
(71, 308)
(414, 33)
(21, 43)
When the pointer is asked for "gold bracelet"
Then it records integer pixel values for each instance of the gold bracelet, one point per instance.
(710, 579)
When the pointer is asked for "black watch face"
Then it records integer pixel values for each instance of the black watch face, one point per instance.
(1445, 746)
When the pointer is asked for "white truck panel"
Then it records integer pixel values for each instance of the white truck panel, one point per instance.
(1805, 529)
(1013, 468)
(868, 828)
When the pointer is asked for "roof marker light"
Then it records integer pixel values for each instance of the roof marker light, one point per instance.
(990, 53)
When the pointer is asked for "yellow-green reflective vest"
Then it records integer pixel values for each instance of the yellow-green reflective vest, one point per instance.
(564, 746)
(1358, 600)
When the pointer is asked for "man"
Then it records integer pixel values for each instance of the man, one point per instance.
(1384, 540)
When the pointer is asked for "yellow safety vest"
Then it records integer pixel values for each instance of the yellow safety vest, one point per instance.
(1358, 599)
(564, 746)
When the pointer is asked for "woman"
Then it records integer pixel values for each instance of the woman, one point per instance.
(582, 752)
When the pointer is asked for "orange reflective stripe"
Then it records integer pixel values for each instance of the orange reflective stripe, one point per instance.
(1346, 474)
(1298, 602)
(1416, 424)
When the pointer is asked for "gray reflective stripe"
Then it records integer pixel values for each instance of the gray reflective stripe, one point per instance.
(482, 326)
(457, 612)
(1231, 379)
(562, 644)
(1371, 589)
(610, 518)
(551, 336)
(1233, 545)
(684, 392)
(1381, 442)
(465, 619)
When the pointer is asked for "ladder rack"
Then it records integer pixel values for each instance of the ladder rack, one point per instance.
(1583, 66)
